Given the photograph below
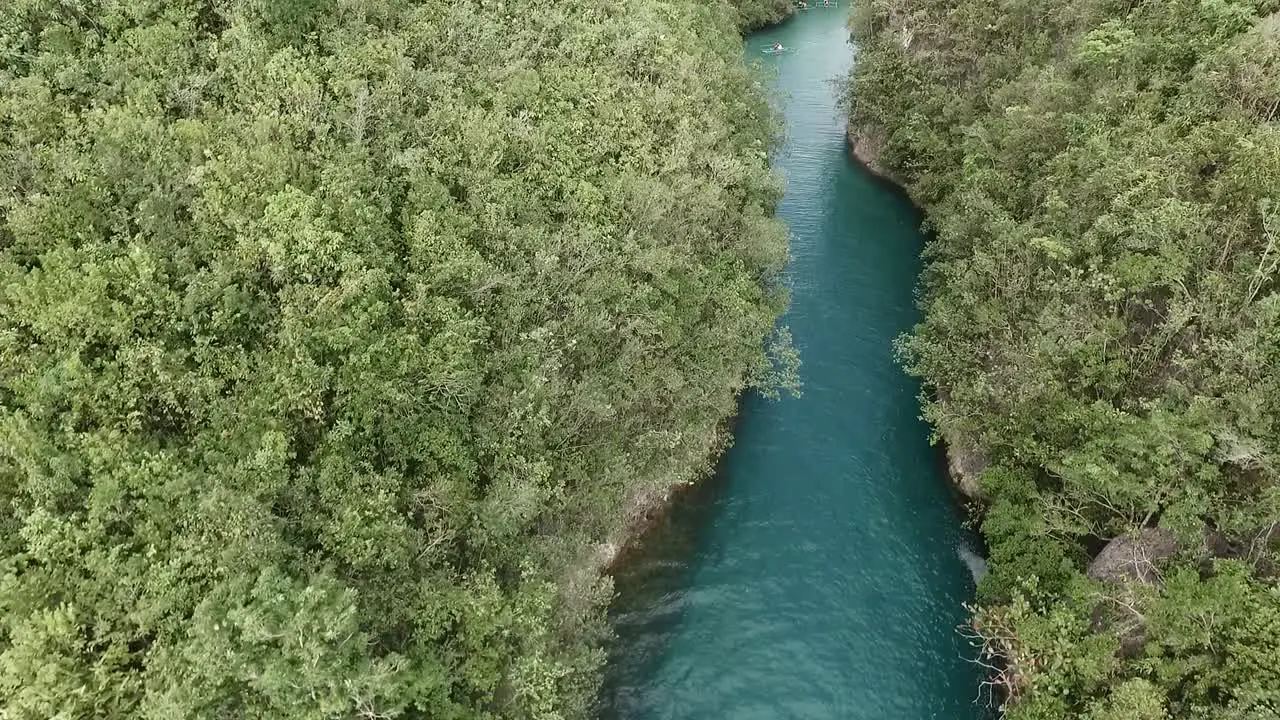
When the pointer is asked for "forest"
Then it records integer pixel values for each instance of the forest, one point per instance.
(1102, 331)
(339, 338)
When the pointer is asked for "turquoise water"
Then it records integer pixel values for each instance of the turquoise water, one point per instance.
(817, 576)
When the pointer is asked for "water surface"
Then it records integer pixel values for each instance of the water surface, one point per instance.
(817, 576)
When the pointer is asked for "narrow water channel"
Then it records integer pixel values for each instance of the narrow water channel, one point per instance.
(817, 576)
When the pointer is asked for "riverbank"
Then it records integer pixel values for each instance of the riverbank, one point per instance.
(647, 506)
(1099, 301)
(961, 458)
(866, 146)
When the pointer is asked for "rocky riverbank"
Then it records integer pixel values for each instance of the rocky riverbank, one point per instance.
(866, 145)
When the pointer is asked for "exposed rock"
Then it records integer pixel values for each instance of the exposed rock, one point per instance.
(867, 145)
(965, 458)
(1129, 562)
(589, 584)
(642, 505)
(965, 462)
(1134, 557)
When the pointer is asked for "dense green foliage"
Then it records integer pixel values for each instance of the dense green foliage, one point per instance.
(333, 333)
(1103, 320)
(758, 13)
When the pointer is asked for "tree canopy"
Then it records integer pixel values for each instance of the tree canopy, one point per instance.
(333, 333)
(758, 13)
(1102, 317)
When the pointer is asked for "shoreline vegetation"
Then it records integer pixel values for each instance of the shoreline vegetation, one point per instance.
(1100, 341)
(336, 337)
(756, 14)
(645, 509)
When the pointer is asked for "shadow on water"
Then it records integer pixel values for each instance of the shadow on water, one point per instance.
(820, 574)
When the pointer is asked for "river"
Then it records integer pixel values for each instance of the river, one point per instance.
(818, 576)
